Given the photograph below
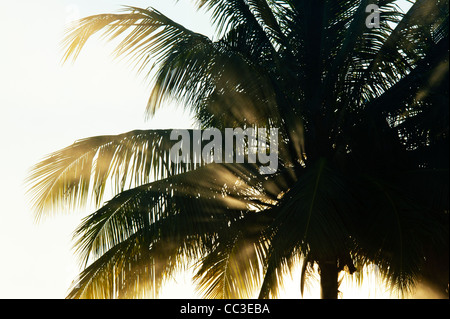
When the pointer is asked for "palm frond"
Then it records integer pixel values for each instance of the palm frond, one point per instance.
(179, 210)
(70, 175)
(232, 269)
(147, 35)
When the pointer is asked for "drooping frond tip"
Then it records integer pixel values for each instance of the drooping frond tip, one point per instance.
(73, 176)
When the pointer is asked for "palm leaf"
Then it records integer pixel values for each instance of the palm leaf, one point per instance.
(147, 35)
(178, 210)
(71, 174)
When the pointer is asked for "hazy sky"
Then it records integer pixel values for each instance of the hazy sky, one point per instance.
(46, 106)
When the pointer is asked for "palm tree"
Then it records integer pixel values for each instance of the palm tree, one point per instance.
(362, 178)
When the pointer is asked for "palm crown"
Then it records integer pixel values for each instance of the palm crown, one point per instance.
(363, 173)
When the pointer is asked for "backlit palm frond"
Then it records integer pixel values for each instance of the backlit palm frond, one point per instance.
(120, 266)
(232, 267)
(71, 175)
(139, 265)
(278, 263)
(147, 35)
(180, 215)
(190, 67)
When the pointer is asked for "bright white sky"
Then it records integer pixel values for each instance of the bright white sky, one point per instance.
(46, 106)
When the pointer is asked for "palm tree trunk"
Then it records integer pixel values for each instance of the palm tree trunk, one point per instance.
(329, 284)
